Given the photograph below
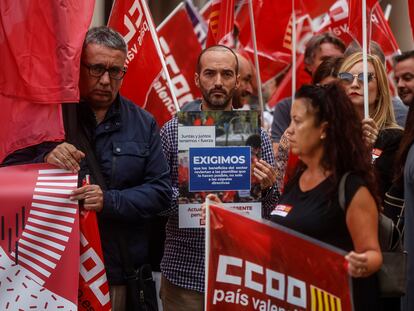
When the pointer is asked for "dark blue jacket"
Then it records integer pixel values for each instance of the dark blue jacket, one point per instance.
(129, 152)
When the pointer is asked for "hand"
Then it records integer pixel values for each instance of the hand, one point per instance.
(357, 264)
(265, 173)
(92, 196)
(65, 156)
(369, 131)
(212, 197)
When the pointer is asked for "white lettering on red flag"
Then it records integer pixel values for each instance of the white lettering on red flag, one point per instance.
(144, 65)
(269, 267)
(180, 51)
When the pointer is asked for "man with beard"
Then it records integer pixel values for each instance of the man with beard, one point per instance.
(182, 267)
(404, 76)
(243, 98)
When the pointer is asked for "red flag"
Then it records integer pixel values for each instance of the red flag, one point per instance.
(316, 7)
(285, 88)
(180, 51)
(411, 11)
(261, 275)
(40, 47)
(39, 249)
(24, 124)
(273, 26)
(131, 18)
(355, 18)
(221, 21)
(93, 290)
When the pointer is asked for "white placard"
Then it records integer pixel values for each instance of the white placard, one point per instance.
(196, 136)
(189, 215)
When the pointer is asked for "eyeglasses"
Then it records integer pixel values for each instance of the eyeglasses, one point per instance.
(349, 78)
(98, 70)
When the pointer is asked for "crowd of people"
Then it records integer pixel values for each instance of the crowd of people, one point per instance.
(317, 136)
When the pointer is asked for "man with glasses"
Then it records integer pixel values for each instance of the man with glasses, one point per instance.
(125, 141)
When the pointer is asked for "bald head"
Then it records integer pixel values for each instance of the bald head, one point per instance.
(246, 89)
(217, 77)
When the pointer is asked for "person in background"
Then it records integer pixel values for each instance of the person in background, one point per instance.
(404, 76)
(405, 178)
(381, 132)
(327, 72)
(326, 134)
(400, 110)
(182, 283)
(317, 49)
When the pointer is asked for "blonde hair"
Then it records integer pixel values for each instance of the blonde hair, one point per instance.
(383, 113)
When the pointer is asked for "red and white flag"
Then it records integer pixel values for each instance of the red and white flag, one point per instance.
(221, 22)
(180, 50)
(39, 246)
(40, 48)
(132, 19)
(261, 275)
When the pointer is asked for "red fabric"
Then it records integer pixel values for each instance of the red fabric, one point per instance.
(24, 124)
(272, 26)
(93, 290)
(355, 18)
(40, 46)
(128, 17)
(221, 21)
(285, 88)
(255, 265)
(180, 50)
(316, 7)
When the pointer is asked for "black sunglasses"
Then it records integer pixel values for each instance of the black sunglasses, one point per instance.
(348, 77)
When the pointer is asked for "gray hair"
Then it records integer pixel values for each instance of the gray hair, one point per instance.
(105, 36)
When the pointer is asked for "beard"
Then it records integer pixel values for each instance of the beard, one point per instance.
(215, 102)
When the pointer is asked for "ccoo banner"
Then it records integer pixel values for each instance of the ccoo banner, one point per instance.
(269, 267)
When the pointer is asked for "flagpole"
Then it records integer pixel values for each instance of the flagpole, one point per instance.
(364, 57)
(256, 59)
(293, 51)
(159, 51)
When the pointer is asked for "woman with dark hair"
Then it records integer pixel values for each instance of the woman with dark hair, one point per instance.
(326, 134)
(405, 181)
(327, 72)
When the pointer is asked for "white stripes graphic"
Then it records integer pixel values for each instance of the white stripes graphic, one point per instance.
(53, 216)
(57, 191)
(55, 208)
(48, 233)
(54, 199)
(40, 249)
(49, 224)
(44, 237)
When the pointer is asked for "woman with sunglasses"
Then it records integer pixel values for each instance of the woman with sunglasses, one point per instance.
(380, 130)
